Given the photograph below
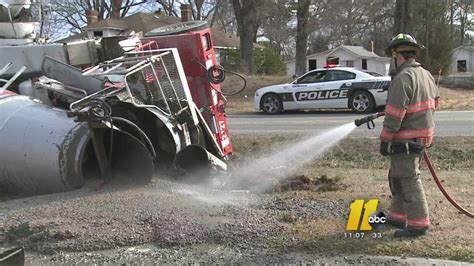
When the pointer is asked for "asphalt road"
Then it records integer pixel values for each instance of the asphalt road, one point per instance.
(453, 123)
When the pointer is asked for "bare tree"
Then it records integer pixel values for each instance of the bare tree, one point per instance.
(358, 22)
(72, 12)
(247, 23)
(432, 28)
(169, 7)
(403, 19)
(223, 17)
(116, 5)
(275, 26)
(302, 16)
(204, 9)
(464, 16)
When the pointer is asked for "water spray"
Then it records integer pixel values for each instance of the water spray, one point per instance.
(280, 165)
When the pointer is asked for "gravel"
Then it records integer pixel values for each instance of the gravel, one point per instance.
(169, 217)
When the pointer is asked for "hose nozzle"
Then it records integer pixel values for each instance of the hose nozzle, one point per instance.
(368, 119)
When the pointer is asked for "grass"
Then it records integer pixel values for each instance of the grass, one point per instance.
(451, 98)
(355, 162)
(456, 99)
(447, 153)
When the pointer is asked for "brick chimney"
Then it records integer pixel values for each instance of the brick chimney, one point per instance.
(186, 13)
(92, 16)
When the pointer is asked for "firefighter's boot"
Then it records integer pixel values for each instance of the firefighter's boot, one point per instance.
(396, 224)
(409, 232)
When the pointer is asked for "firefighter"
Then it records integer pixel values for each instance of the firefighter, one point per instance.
(408, 128)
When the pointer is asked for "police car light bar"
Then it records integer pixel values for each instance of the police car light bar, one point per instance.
(330, 65)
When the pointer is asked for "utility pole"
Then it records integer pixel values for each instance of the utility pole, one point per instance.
(426, 33)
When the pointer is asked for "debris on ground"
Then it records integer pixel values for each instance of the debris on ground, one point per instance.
(303, 182)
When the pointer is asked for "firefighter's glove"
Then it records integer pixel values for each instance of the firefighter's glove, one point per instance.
(385, 148)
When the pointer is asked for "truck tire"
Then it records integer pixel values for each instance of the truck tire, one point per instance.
(177, 28)
(361, 102)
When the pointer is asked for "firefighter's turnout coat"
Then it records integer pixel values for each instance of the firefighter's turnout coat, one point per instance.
(412, 99)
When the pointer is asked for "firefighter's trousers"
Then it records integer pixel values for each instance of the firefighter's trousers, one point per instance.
(408, 203)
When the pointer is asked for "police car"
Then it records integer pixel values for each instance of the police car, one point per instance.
(338, 87)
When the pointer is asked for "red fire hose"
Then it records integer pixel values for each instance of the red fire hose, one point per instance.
(440, 186)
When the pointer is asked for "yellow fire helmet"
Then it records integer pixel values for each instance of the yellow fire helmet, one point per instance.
(403, 42)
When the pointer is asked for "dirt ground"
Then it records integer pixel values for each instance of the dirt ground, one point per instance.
(242, 103)
(301, 220)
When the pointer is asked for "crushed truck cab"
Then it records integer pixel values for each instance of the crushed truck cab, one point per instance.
(150, 106)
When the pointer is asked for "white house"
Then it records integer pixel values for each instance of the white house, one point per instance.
(347, 56)
(463, 59)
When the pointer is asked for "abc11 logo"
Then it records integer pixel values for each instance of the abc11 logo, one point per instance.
(364, 216)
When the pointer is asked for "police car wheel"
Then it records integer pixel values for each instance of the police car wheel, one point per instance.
(361, 102)
(271, 104)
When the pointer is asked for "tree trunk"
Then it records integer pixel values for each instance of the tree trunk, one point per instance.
(116, 5)
(407, 17)
(199, 4)
(464, 15)
(302, 36)
(246, 15)
(402, 20)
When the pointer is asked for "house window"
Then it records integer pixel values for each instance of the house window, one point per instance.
(461, 65)
(311, 64)
(364, 64)
(332, 61)
(349, 63)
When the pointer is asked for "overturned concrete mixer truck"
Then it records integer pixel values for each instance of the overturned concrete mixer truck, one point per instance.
(153, 105)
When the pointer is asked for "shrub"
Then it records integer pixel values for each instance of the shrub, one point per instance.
(266, 60)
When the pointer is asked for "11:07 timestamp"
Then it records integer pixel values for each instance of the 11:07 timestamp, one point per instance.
(360, 235)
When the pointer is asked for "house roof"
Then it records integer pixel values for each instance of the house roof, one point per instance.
(107, 24)
(312, 55)
(75, 37)
(358, 51)
(146, 22)
(465, 47)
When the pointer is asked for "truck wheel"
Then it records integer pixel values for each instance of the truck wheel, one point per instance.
(177, 28)
(271, 104)
(361, 102)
